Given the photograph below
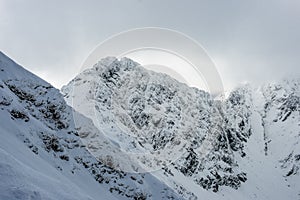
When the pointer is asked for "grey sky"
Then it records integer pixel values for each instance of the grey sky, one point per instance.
(248, 40)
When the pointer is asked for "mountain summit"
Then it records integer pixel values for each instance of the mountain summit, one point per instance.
(199, 142)
(42, 155)
(119, 131)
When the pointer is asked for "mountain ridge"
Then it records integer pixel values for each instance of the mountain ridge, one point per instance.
(234, 115)
(244, 146)
(40, 143)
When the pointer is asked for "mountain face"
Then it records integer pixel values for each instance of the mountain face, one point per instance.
(129, 133)
(242, 146)
(42, 155)
(183, 128)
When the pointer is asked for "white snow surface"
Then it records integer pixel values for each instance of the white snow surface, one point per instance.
(41, 154)
(257, 129)
(244, 146)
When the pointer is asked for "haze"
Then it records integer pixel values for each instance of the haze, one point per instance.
(252, 41)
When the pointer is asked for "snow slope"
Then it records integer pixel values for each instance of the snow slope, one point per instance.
(126, 119)
(243, 146)
(42, 156)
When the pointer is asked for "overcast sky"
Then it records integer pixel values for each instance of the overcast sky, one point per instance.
(249, 41)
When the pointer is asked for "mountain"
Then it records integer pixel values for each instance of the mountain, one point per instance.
(42, 155)
(119, 131)
(243, 146)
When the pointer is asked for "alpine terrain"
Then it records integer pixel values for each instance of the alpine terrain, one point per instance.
(119, 131)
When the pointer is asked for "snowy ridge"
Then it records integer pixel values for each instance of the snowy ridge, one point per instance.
(42, 156)
(143, 111)
(244, 146)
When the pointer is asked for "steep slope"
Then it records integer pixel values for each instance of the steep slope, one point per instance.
(183, 129)
(216, 149)
(42, 155)
(245, 146)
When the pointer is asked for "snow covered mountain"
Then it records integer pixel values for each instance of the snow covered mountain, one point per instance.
(125, 119)
(243, 146)
(42, 156)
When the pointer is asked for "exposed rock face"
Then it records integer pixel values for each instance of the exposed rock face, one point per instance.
(281, 113)
(155, 113)
(37, 115)
(244, 146)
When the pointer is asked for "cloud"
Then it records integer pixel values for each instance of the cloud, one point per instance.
(249, 41)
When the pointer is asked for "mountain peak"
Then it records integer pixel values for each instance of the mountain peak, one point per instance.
(10, 70)
(42, 148)
(244, 146)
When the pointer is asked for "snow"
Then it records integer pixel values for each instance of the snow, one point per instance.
(264, 124)
(25, 176)
(41, 155)
(102, 93)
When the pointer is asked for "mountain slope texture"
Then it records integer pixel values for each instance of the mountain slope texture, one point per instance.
(119, 131)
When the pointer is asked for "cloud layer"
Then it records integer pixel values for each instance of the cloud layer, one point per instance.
(249, 41)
